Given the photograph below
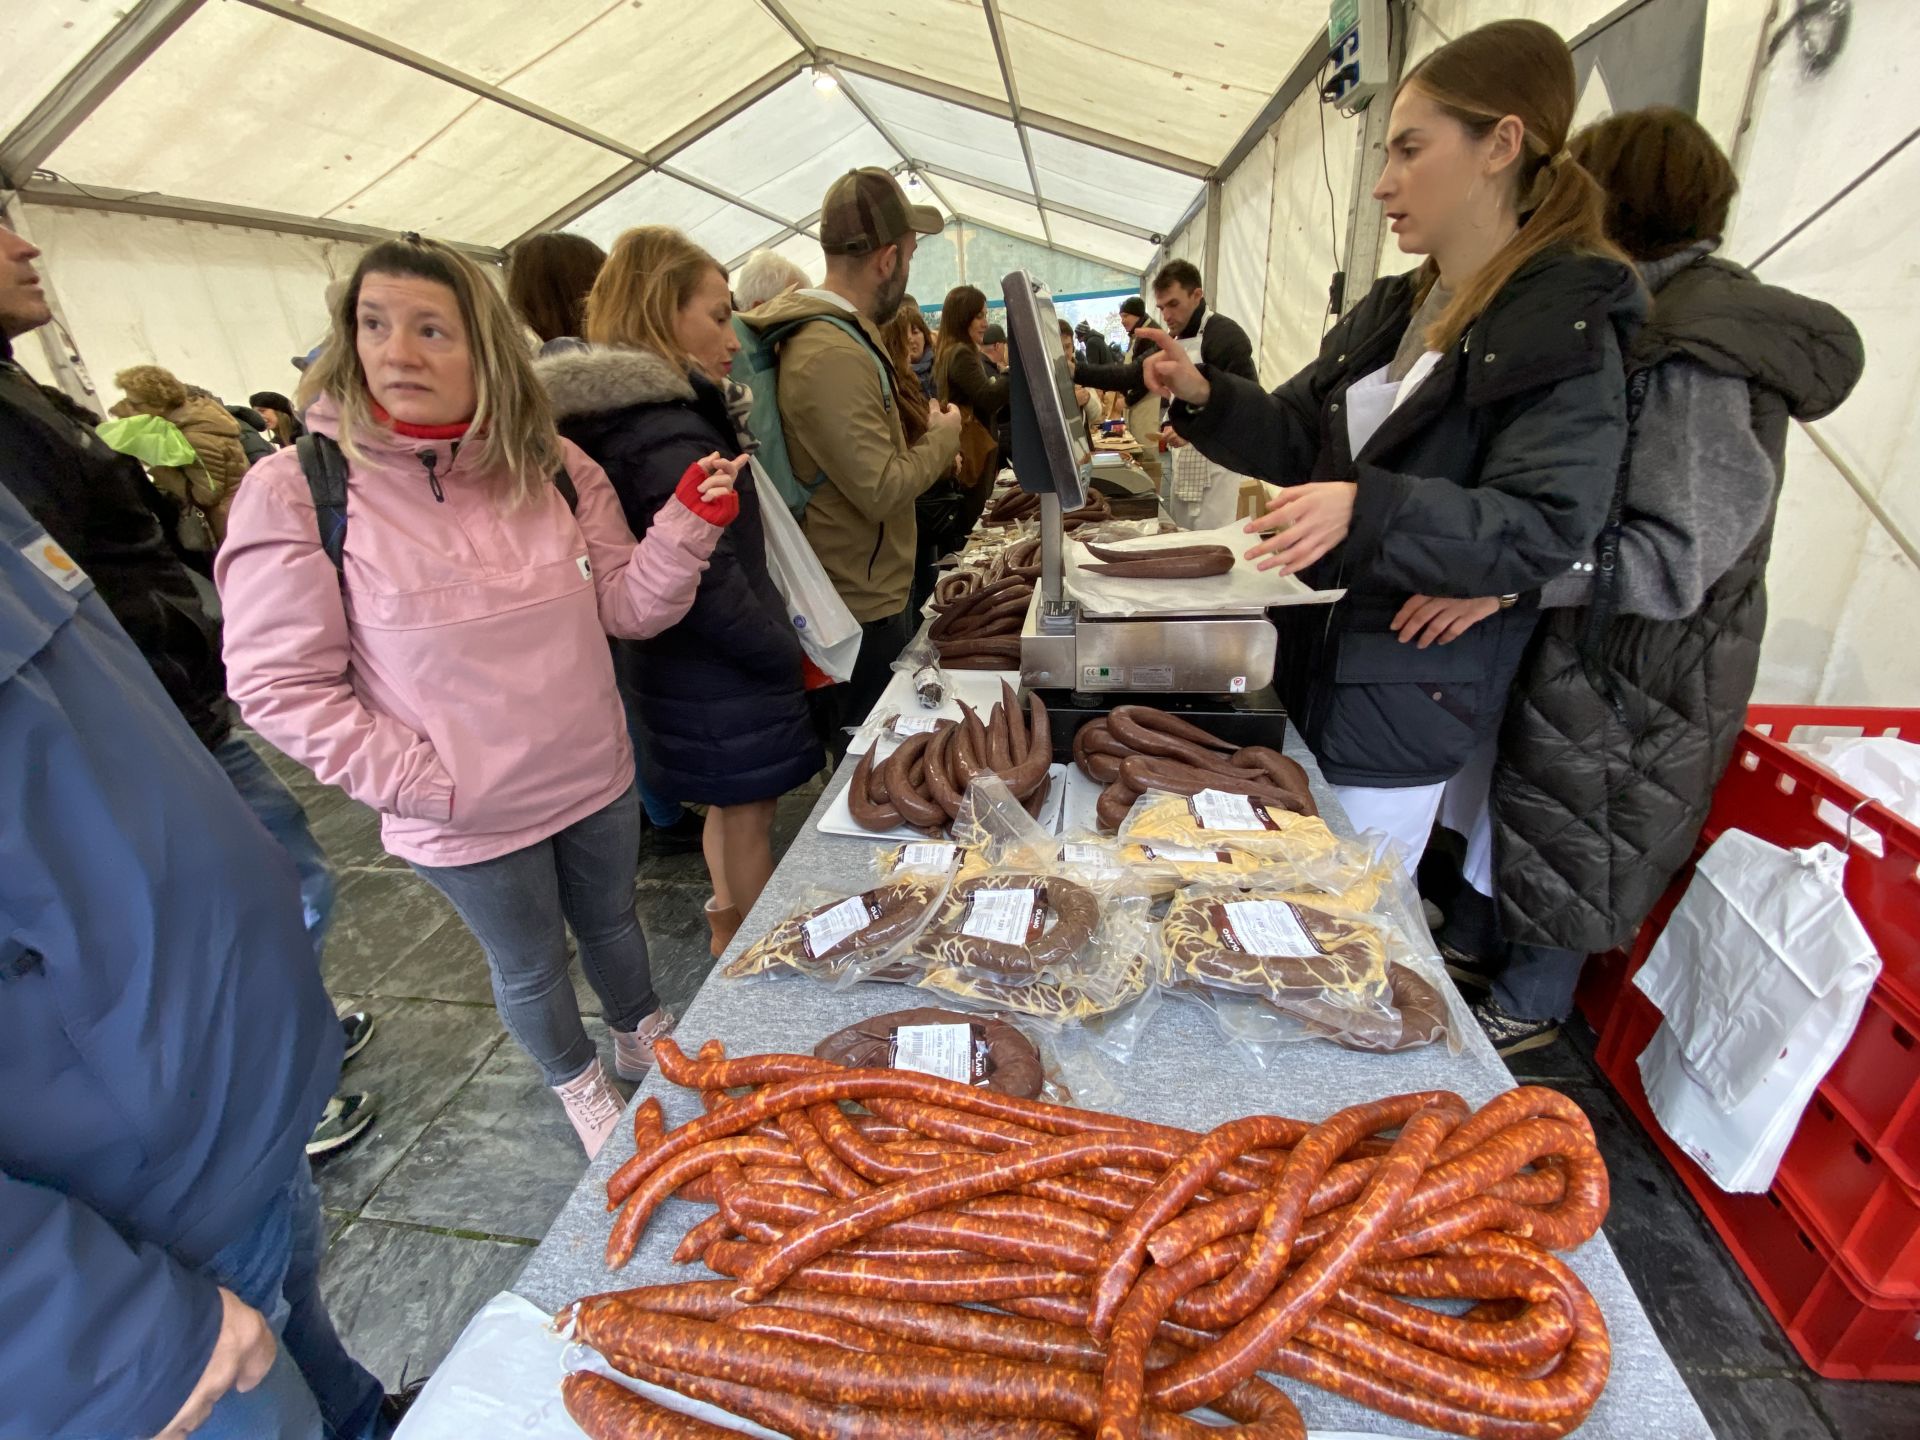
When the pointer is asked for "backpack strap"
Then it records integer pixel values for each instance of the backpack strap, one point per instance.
(326, 471)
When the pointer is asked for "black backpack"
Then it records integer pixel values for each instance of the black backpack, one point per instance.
(326, 471)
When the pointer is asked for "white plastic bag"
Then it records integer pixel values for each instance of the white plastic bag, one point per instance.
(828, 632)
(1884, 767)
(1761, 975)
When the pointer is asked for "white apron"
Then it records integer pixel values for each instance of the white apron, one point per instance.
(1199, 494)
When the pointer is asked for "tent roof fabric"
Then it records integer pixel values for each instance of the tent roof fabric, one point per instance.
(1089, 125)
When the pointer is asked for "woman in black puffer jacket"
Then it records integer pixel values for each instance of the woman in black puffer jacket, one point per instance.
(720, 695)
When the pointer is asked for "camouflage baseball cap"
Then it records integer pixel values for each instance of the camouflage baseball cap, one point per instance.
(866, 210)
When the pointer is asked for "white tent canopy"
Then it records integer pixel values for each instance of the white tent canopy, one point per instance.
(484, 122)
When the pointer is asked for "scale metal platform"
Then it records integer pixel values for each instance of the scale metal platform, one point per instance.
(1065, 647)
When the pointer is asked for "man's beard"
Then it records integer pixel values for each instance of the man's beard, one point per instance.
(892, 293)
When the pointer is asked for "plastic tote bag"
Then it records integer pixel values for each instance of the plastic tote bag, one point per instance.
(828, 632)
(1761, 975)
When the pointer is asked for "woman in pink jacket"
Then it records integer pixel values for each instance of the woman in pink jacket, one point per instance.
(451, 668)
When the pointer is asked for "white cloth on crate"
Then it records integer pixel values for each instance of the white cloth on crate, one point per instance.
(1761, 974)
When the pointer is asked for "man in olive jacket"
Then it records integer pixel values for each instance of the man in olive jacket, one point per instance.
(843, 426)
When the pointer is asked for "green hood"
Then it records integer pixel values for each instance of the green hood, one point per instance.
(149, 439)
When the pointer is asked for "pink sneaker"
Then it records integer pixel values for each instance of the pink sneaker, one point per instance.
(633, 1049)
(592, 1105)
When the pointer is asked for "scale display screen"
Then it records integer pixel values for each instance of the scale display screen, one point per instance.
(1051, 452)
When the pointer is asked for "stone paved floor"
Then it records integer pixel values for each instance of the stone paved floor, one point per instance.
(436, 1209)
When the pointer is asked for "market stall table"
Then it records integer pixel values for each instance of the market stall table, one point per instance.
(1181, 1074)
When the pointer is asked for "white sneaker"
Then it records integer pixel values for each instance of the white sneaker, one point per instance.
(592, 1105)
(633, 1049)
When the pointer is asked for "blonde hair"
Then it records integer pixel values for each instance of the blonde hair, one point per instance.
(512, 432)
(1524, 69)
(649, 275)
(152, 388)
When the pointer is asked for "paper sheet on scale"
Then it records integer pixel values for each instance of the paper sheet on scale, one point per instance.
(1245, 587)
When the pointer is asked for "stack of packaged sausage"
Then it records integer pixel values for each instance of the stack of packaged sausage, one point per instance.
(1224, 898)
(909, 1256)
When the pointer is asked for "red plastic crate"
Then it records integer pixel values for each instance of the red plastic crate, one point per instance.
(1875, 1084)
(1850, 1199)
(1839, 1326)
(1775, 792)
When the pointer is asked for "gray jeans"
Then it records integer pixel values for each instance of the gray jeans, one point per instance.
(519, 907)
(1538, 982)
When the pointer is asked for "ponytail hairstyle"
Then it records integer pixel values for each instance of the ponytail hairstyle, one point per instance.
(1524, 69)
(512, 433)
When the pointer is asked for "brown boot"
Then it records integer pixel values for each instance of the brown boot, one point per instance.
(722, 923)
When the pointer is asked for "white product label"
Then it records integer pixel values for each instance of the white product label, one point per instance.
(54, 562)
(1269, 927)
(830, 927)
(904, 725)
(943, 1050)
(1220, 810)
(1002, 915)
(1186, 854)
(1237, 685)
(929, 854)
(1083, 855)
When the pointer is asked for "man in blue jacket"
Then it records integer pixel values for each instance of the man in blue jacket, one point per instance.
(165, 1047)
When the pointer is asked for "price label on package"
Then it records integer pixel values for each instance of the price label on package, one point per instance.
(830, 927)
(1185, 854)
(928, 854)
(943, 1050)
(1269, 927)
(905, 725)
(1079, 854)
(1222, 810)
(1002, 915)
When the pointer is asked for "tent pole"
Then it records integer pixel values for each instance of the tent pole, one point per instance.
(997, 28)
(56, 338)
(126, 47)
(1210, 250)
(1365, 223)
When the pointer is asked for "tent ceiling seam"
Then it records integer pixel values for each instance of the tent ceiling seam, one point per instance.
(155, 205)
(798, 34)
(120, 52)
(426, 65)
(987, 105)
(997, 29)
(1059, 207)
(733, 105)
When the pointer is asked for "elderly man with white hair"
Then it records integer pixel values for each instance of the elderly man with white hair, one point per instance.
(766, 276)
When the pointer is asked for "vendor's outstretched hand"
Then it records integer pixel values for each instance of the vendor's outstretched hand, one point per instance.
(1172, 374)
(1170, 438)
(1436, 620)
(1311, 519)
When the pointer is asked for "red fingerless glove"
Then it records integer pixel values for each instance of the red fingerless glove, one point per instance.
(722, 511)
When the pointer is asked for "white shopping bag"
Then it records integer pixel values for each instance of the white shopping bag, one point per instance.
(1761, 975)
(828, 632)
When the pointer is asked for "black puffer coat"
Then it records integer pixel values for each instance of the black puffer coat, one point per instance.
(1492, 478)
(1620, 727)
(720, 695)
(97, 504)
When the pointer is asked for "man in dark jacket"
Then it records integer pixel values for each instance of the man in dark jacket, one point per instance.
(1199, 494)
(166, 1046)
(1125, 379)
(93, 501)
